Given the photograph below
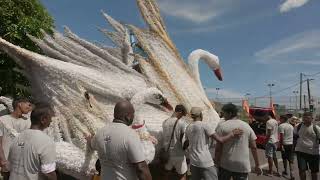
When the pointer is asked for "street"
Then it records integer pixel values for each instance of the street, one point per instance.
(264, 165)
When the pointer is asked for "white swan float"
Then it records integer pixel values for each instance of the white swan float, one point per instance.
(83, 81)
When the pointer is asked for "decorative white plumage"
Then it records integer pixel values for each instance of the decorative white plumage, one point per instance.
(83, 81)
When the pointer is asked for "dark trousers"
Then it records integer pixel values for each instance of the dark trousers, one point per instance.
(5, 175)
(198, 173)
(224, 174)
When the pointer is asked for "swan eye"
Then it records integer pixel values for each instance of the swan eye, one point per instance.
(159, 97)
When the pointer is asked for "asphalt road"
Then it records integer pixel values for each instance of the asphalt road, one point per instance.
(264, 165)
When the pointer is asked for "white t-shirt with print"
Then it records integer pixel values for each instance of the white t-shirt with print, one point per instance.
(119, 147)
(10, 127)
(32, 154)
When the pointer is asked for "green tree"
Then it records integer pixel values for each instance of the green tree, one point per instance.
(17, 19)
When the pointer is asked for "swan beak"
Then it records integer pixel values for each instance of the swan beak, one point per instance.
(218, 73)
(167, 105)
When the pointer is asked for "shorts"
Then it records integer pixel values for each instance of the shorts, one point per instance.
(177, 163)
(287, 153)
(198, 173)
(227, 175)
(271, 150)
(308, 161)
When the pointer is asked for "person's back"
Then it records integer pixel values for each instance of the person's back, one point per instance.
(28, 152)
(176, 143)
(235, 153)
(118, 148)
(287, 130)
(272, 125)
(198, 134)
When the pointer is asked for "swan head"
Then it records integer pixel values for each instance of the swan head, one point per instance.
(214, 63)
(218, 74)
(211, 60)
(155, 96)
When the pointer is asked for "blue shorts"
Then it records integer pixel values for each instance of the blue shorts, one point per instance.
(271, 150)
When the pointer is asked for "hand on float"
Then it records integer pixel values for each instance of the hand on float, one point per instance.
(153, 140)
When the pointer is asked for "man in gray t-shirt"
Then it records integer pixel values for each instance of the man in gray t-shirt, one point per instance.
(198, 134)
(307, 148)
(232, 157)
(32, 155)
(119, 148)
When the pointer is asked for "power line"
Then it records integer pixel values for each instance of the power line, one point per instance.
(289, 87)
(315, 74)
(284, 89)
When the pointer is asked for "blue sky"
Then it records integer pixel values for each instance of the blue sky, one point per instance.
(258, 42)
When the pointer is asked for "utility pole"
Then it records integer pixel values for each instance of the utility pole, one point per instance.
(305, 103)
(270, 93)
(296, 95)
(309, 95)
(290, 103)
(217, 94)
(300, 91)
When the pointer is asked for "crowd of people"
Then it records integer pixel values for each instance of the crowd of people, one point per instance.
(193, 149)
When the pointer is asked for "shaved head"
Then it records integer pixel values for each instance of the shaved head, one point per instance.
(124, 111)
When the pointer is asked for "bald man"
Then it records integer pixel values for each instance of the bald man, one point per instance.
(119, 147)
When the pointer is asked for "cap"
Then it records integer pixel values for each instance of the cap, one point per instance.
(196, 111)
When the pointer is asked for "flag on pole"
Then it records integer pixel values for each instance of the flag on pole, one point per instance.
(246, 108)
(272, 107)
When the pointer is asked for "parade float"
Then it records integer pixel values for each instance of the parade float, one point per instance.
(83, 81)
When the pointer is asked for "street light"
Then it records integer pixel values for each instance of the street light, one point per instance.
(296, 95)
(246, 96)
(217, 93)
(270, 92)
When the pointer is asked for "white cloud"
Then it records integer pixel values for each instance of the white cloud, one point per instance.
(291, 4)
(207, 15)
(302, 48)
(189, 11)
(198, 11)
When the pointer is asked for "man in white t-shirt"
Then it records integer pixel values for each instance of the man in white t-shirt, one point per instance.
(233, 157)
(10, 126)
(198, 135)
(272, 140)
(286, 144)
(307, 147)
(32, 154)
(119, 147)
(177, 158)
